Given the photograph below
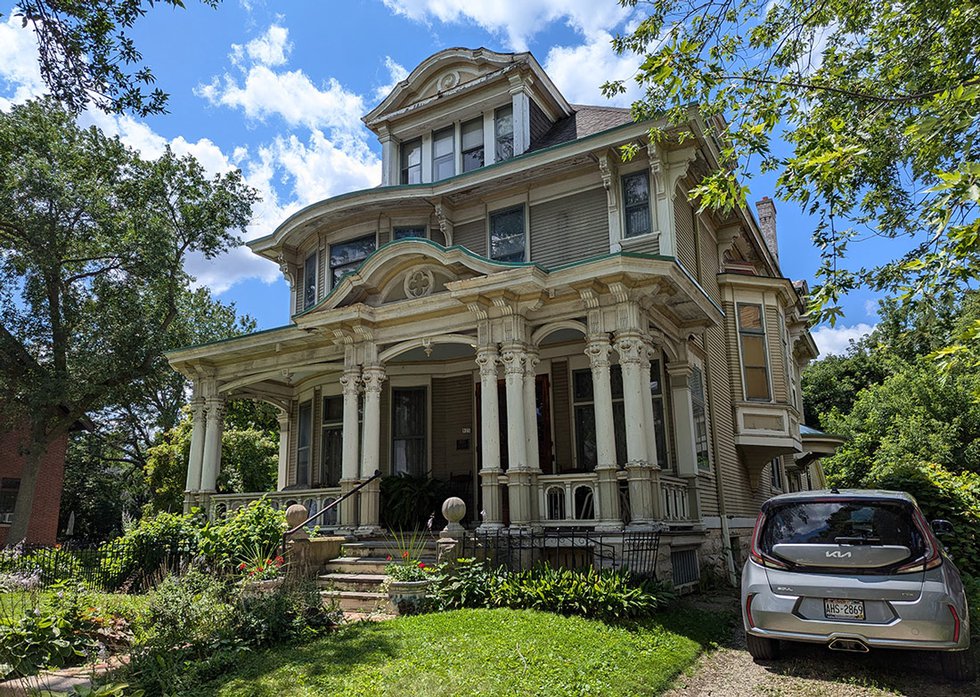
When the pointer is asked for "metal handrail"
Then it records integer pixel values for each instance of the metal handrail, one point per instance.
(329, 506)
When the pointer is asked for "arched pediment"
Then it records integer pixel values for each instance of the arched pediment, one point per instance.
(407, 269)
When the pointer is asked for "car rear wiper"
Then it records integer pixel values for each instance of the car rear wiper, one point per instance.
(863, 540)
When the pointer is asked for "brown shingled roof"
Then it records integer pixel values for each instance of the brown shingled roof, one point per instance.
(584, 122)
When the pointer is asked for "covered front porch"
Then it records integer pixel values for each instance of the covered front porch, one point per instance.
(564, 399)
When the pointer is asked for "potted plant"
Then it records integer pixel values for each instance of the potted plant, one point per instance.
(408, 576)
(262, 571)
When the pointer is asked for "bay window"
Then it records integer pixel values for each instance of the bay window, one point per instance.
(699, 407)
(443, 154)
(636, 204)
(752, 342)
(503, 132)
(345, 257)
(471, 136)
(309, 281)
(507, 235)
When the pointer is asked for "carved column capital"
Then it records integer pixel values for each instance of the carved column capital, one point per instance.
(513, 359)
(630, 348)
(350, 382)
(215, 408)
(197, 408)
(531, 361)
(283, 417)
(598, 350)
(373, 378)
(486, 358)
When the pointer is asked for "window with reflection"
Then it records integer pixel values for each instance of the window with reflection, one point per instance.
(699, 404)
(443, 154)
(405, 232)
(752, 340)
(304, 443)
(507, 235)
(503, 132)
(331, 442)
(471, 134)
(412, 162)
(659, 411)
(636, 204)
(583, 401)
(309, 281)
(408, 431)
(345, 257)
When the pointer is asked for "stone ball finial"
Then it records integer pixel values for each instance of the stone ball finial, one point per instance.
(297, 515)
(453, 510)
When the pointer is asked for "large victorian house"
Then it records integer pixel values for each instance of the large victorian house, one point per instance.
(520, 311)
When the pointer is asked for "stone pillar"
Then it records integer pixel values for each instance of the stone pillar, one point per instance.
(630, 346)
(650, 429)
(598, 350)
(370, 496)
(283, 449)
(518, 476)
(211, 464)
(491, 515)
(195, 459)
(684, 434)
(351, 384)
(531, 446)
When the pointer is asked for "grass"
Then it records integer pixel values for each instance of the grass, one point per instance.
(129, 607)
(482, 652)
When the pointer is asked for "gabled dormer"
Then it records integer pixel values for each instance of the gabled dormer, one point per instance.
(460, 110)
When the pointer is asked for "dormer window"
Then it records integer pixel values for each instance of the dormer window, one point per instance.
(503, 131)
(443, 154)
(309, 281)
(472, 144)
(412, 162)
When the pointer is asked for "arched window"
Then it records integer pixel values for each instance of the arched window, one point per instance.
(556, 503)
(584, 503)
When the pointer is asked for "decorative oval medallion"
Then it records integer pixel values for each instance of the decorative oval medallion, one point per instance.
(419, 283)
(449, 80)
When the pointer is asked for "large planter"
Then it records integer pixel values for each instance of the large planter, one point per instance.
(263, 587)
(407, 597)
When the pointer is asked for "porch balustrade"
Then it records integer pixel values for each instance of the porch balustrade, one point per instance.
(675, 499)
(315, 500)
(568, 499)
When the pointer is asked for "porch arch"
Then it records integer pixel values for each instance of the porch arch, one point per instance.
(405, 346)
(546, 330)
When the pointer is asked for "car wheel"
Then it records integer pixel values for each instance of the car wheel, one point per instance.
(761, 648)
(958, 666)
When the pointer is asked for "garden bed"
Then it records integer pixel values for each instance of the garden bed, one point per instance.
(480, 652)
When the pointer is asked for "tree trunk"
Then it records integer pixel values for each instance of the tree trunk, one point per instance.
(25, 495)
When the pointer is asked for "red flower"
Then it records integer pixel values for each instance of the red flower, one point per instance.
(389, 557)
(280, 560)
(261, 568)
(404, 555)
(421, 565)
(241, 567)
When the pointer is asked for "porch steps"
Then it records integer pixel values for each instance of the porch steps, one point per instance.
(357, 565)
(358, 601)
(352, 582)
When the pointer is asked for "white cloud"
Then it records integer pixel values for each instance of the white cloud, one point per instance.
(516, 20)
(579, 71)
(19, 70)
(871, 308)
(836, 340)
(272, 48)
(396, 73)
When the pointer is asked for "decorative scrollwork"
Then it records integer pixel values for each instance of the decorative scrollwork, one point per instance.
(419, 283)
(486, 358)
(598, 350)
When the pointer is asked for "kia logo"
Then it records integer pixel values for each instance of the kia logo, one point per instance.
(837, 554)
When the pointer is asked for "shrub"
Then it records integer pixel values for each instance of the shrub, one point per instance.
(608, 595)
(154, 543)
(226, 543)
(410, 503)
(293, 610)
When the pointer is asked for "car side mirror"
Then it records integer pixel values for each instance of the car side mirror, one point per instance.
(942, 527)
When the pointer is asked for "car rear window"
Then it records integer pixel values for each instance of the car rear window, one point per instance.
(841, 522)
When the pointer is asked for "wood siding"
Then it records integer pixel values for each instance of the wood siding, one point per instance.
(777, 369)
(570, 229)
(473, 236)
(561, 415)
(684, 227)
(452, 411)
(293, 442)
(539, 123)
(384, 450)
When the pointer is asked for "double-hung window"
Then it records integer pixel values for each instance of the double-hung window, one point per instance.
(752, 340)
(408, 430)
(507, 237)
(8, 498)
(471, 135)
(636, 204)
(699, 404)
(309, 281)
(583, 399)
(331, 442)
(403, 233)
(776, 473)
(412, 162)
(503, 132)
(304, 443)
(345, 257)
(659, 423)
(443, 153)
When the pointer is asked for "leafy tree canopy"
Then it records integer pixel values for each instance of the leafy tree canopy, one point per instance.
(879, 104)
(88, 57)
(93, 241)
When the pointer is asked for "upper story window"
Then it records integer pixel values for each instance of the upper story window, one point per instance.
(345, 257)
(503, 133)
(309, 281)
(412, 162)
(405, 232)
(507, 235)
(699, 406)
(8, 498)
(752, 340)
(636, 204)
(443, 154)
(471, 135)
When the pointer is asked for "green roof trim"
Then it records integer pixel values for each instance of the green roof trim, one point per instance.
(230, 338)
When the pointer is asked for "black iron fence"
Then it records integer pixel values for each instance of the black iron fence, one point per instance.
(517, 551)
(107, 566)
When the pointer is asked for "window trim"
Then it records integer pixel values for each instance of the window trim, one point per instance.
(765, 344)
(527, 234)
(404, 167)
(481, 147)
(645, 174)
(453, 131)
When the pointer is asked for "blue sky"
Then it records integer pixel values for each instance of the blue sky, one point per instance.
(278, 89)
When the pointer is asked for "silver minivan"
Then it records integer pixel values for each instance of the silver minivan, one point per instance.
(854, 570)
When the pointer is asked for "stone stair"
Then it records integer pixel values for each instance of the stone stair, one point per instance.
(354, 580)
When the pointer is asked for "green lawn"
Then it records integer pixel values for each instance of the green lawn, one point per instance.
(13, 605)
(481, 652)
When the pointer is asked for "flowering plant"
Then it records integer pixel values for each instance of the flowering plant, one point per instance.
(404, 563)
(261, 565)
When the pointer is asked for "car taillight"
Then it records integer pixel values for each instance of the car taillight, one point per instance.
(956, 624)
(933, 555)
(756, 553)
(748, 610)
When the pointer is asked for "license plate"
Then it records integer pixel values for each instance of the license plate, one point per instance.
(842, 609)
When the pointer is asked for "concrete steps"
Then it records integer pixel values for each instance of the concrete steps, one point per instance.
(356, 601)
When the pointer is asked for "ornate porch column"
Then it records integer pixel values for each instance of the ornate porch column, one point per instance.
(630, 346)
(370, 496)
(212, 444)
(195, 459)
(531, 361)
(684, 432)
(492, 516)
(650, 429)
(518, 475)
(598, 350)
(351, 384)
(283, 416)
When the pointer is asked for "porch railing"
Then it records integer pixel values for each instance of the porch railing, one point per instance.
(673, 495)
(568, 498)
(314, 500)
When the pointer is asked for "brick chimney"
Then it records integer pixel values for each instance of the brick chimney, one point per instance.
(767, 223)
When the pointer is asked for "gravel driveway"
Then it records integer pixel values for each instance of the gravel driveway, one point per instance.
(814, 671)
